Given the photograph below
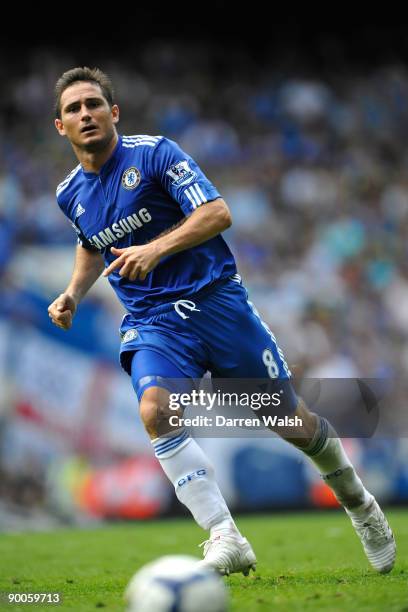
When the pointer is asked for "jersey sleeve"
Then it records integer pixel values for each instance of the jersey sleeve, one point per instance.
(181, 176)
(66, 206)
(82, 240)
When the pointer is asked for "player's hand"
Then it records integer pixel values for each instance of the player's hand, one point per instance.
(62, 310)
(134, 262)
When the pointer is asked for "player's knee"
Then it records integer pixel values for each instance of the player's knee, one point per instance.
(148, 414)
(155, 411)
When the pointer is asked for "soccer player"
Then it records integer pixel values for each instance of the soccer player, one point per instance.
(148, 218)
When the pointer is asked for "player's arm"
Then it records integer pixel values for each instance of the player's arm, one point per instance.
(87, 269)
(202, 225)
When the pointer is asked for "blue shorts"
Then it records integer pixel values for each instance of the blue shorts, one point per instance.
(217, 329)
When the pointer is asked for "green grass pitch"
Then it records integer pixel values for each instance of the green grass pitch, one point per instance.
(311, 561)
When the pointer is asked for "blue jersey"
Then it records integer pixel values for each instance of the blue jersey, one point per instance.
(147, 186)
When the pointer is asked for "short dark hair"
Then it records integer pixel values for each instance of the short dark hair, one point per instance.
(91, 75)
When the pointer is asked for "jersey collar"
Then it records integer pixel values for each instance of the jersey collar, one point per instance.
(109, 164)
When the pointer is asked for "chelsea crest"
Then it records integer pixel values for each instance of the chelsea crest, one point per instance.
(131, 178)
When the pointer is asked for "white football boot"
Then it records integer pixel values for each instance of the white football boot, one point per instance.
(376, 536)
(228, 554)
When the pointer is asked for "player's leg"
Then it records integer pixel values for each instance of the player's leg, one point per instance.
(182, 459)
(327, 453)
(318, 440)
(255, 354)
(315, 437)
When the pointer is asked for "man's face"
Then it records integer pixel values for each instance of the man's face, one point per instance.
(86, 118)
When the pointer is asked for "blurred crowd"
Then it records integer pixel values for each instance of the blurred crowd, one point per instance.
(314, 169)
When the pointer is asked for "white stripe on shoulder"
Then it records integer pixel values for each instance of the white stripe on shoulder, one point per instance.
(200, 193)
(68, 179)
(132, 145)
(195, 194)
(190, 197)
(140, 138)
(135, 140)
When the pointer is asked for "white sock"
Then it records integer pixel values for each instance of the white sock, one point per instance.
(327, 453)
(192, 475)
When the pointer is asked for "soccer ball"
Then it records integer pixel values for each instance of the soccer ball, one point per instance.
(176, 583)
